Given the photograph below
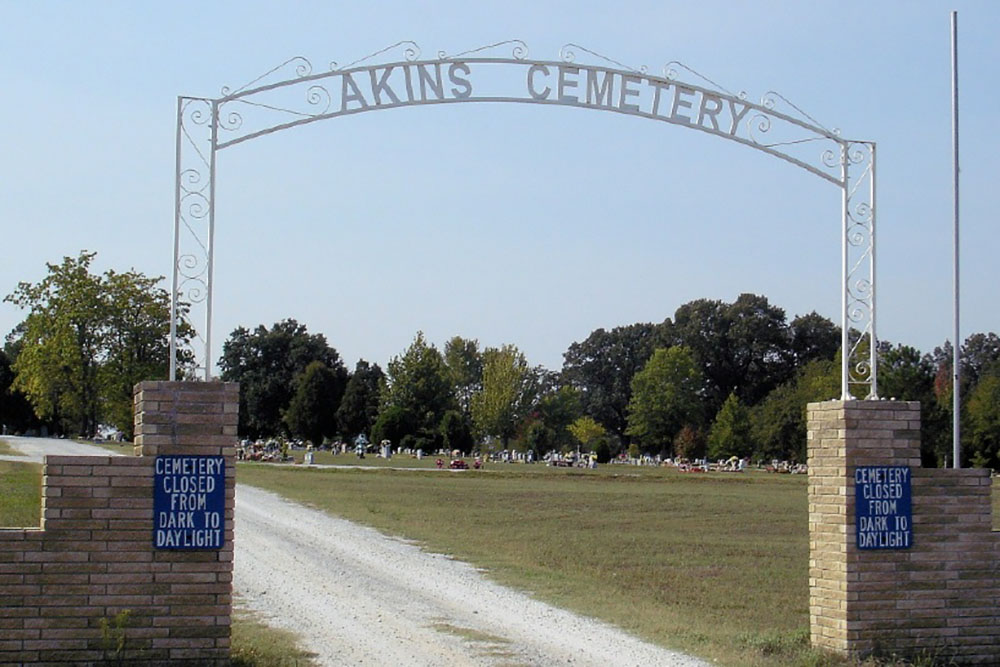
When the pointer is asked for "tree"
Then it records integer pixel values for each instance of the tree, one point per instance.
(813, 337)
(311, 414)
(16, 415)
(742, 347)
(465, 369)
(779, 421)
(906, 374)
(508, 392)
(590, 434)
(555, 411)
(267, 363)
(87, 340)
(602, 367)
(137, 344)
(666, 396)
(359, 407)
(731, 432)
(455, 432)
(417, 389)
(984, 420)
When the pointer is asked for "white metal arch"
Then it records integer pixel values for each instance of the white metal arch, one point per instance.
(292, 94)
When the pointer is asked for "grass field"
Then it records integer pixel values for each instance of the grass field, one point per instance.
(711, 564)
(20, 494)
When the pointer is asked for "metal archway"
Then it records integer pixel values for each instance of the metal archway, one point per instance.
(271, 103)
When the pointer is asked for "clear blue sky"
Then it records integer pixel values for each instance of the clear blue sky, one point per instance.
(507, 223)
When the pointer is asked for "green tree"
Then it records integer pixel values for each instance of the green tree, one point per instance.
(813, 337)
(418, 390)
(731, 432)
(555, 411)
(983, 411)
(906, 374)
(465, 369)
(508, 393)
(742, 347)
(666, 396)
(359, 407)
(87, 339)
(311, 414)
(137, 344)
(779, 422)
(589, 433)
(456, 432)
(601, 368)
(16, 415)
(267, 363)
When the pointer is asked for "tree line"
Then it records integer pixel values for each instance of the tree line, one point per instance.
(715, 380)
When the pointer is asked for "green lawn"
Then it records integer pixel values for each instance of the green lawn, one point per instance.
(20, 494)
(710, 564)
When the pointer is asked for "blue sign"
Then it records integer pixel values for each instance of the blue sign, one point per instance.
(189, 502)
(883, 508)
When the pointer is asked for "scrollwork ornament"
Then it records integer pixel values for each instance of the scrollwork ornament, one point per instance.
(194, 205)
(858, 235)
(862, 213)
(832, 158)
(197, 111)
(194, 290)
(319, 96)
(760, 123)
(191, 181)
(862, 371)
(192, 267)
(230, 120)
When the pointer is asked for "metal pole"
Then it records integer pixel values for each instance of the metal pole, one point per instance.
(177, 234)
(845, 339)
(872, 337)
(956, 344)
(211, 242)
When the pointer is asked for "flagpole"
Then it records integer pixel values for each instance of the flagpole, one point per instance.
(956, 341)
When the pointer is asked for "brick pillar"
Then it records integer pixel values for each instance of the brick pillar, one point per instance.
(199, 419)
(937, 598)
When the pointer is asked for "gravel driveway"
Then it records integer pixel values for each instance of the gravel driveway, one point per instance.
(358, 597)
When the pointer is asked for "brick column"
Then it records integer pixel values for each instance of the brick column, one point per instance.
(937, 598)
(192, 418)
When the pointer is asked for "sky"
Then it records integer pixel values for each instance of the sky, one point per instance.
(507, 223)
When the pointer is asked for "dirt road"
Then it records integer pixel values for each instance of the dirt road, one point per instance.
(360, 598)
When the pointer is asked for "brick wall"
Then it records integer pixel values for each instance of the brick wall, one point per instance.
(93, 555)
(938, 598)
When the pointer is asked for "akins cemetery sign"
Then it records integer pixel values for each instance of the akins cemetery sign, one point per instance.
(295, 94)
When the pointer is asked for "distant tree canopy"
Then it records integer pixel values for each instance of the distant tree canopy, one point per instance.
(268, 364)
(717, 379)
(86, 341)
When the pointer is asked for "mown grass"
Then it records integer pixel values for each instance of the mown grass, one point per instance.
(693, 562)
(20, 494)
(715, 564)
